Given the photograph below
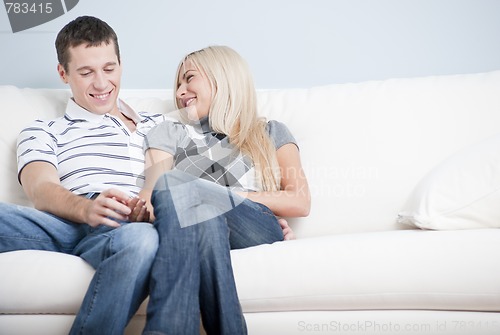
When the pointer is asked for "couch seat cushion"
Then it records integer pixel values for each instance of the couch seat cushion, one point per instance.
(42, 282)
(442, 270)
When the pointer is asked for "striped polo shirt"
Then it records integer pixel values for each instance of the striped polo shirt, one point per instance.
(91, 152)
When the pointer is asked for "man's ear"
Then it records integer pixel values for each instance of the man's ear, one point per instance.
(62, 73)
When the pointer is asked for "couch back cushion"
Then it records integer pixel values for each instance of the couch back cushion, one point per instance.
(364, 146)
(19, 107)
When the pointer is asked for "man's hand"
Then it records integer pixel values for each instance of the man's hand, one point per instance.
(110, 204)
(139, 211)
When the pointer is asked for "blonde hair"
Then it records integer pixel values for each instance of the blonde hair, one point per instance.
(233, 110)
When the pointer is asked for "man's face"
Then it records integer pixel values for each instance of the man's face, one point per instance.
(94, 77)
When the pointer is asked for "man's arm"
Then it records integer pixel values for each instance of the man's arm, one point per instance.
(41, 183)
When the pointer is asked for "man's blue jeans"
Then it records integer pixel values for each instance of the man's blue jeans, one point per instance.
(198, 222)
(122, 258)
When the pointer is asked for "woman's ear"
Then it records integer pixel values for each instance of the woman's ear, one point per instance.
(62, 73)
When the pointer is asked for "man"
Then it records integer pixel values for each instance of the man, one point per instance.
(82, 172)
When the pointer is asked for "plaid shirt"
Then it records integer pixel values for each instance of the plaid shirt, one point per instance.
(203, 153)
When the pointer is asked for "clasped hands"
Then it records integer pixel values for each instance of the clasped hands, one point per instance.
(113, 205)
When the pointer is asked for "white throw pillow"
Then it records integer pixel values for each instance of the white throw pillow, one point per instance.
(463, 192)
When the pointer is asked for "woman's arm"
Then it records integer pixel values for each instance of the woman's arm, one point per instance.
(157, 162)
(294, 199)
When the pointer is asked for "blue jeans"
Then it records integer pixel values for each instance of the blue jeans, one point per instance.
(198, 222)
(122, 258)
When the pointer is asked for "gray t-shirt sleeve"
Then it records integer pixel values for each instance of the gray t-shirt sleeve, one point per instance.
(280, 134)
(168, 136)
(165, 136)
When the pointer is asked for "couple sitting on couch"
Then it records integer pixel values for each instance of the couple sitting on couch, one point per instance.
(101, 173)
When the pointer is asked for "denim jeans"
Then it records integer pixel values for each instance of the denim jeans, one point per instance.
(121, 256)
(192, 271)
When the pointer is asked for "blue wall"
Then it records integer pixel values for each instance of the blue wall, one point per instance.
(288, 43)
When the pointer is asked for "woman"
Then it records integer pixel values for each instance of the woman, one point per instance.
(230, 176)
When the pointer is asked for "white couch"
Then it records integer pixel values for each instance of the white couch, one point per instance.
(354, 268)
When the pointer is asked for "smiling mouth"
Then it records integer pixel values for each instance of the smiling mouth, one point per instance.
(187, 102)
(102, 96)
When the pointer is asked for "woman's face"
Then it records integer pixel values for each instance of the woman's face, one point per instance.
(193, 91)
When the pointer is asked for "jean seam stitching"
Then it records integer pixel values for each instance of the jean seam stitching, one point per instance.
(92, 302)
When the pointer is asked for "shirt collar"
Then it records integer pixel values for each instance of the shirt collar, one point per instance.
(206, 129)
(205, 125)
(75, 112)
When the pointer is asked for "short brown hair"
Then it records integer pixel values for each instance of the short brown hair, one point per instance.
(84, 30)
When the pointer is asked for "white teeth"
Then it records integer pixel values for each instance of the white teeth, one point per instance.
(101, 96)
(188, 101)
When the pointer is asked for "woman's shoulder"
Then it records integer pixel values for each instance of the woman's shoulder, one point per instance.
(168, 125)
(276, 126)
(166, 135)
(279, 133)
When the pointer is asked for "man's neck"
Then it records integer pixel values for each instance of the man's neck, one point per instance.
(127, 121)
(124, 118)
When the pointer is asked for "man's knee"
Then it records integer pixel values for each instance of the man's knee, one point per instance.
(138, 239)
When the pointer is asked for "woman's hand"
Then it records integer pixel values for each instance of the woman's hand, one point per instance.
(288, 233)
(138, 210)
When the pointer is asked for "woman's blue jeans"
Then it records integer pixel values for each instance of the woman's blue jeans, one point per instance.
(122, 258)
(198, 222)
